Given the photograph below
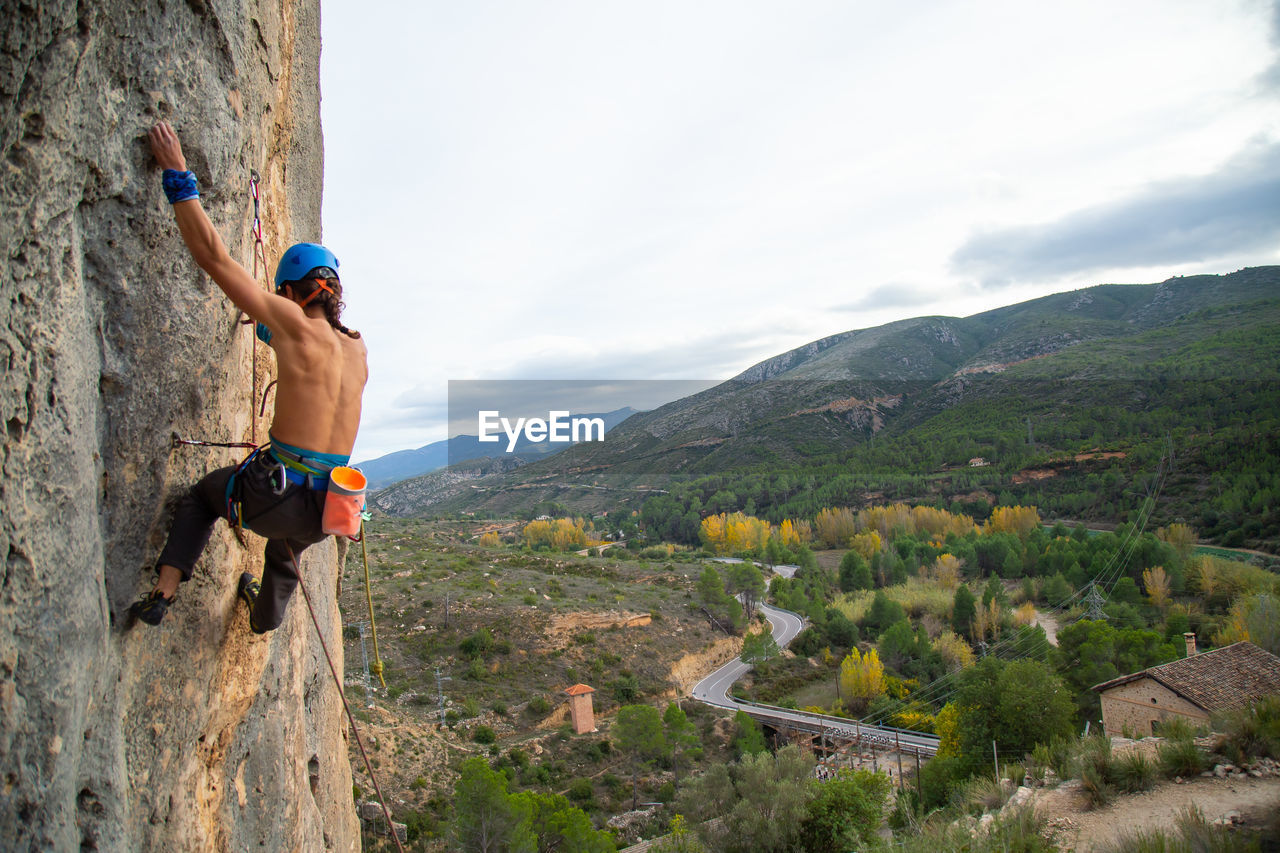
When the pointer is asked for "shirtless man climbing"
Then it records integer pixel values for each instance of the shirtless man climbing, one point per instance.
(322, 372)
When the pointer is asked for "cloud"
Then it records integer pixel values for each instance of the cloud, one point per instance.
(1229, 213)
(892, 294)
(1270, 78)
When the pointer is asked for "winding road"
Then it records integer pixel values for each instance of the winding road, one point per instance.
(714, 690)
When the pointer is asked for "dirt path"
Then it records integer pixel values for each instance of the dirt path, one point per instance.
(1081, 830)
(1049, 624)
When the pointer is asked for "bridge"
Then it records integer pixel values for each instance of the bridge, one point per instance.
(839, 732)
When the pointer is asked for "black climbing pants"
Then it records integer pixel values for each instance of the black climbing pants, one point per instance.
(290, 520)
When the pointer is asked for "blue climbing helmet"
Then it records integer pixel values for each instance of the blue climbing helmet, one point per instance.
(302, 258)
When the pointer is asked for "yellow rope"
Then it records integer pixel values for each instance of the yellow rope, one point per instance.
(368, 594)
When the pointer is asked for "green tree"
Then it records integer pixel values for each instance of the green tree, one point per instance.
(486, 818)
(883, 612)
(750, 739)
(963, 611)
(1090, 652)
(844, 813)
(855, 573)
(746, 581)
(561, 827)
(1056, 590)
(681, 736)
(762, 801)
(638, 731)
(759, 648)
(1126, 592)
(1018, 705)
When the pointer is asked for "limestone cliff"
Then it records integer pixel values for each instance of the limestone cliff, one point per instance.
(195, 735)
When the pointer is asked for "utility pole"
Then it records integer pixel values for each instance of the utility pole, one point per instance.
(897, 748)
(364, 653)
(440, 680)
(1095, 600)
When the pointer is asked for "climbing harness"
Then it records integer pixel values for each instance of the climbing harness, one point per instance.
(355, 731)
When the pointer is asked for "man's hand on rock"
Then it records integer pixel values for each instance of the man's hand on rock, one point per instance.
(166, 148)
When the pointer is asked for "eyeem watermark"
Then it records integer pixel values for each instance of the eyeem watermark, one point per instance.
(558, 427)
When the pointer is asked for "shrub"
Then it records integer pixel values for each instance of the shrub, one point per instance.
(484, 734)
(478, 644)
(1253, 732)
(538, 706)
(581, 790)
(1055, 755)
(1178, 728)
(1096, 771)
(1181, 757)
(981, 794)
(1134, 772)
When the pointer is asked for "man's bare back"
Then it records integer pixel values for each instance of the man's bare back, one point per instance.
(322, 378)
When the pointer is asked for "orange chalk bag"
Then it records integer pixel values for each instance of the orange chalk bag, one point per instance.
(344, 502)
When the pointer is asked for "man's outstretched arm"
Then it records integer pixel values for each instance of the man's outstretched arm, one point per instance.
(207, 248)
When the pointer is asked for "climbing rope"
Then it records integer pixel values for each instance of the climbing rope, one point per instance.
(259, 253)
(368, 594)
(355, 731)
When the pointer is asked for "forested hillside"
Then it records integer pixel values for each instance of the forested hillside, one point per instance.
(1067, 403)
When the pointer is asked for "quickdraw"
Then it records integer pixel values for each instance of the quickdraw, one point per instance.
(178, 441)
(259, 250)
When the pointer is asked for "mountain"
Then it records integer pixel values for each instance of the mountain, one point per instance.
(899, 411)
(403, 464)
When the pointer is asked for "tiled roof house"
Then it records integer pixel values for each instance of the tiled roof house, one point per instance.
(1193, 688)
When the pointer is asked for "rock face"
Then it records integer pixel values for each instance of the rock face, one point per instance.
(196, 735)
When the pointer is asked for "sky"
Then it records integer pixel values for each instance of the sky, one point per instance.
(678, 190)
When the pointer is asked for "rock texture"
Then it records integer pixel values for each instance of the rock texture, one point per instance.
(195, 735)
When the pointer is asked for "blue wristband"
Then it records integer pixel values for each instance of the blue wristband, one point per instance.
(179, 186)
(263, 333)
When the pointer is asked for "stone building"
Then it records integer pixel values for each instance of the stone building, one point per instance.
(580, 708)
(1192, 688)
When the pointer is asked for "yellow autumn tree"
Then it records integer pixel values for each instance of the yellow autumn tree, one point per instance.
(939, 522)
(730, 533)
(867, 544)
(835, 527)
(861, 679)
(1181, 536)
(946, 571)
(560, 534)
(1019, 520)
(946, 725)
(886, 519)
(787, 537)
(1157, 584)
(1025, 614)
(1204, 575)
(955, 652)
(490, 540)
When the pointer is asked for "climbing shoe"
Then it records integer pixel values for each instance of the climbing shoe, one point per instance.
(248, 590)
(151, 607)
